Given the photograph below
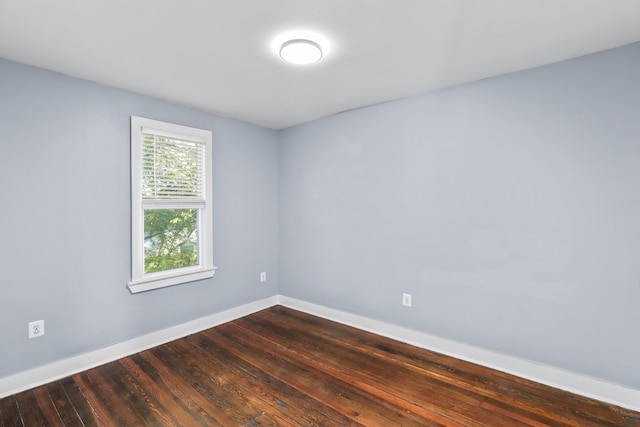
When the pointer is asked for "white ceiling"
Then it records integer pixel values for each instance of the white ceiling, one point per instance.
(217, 55)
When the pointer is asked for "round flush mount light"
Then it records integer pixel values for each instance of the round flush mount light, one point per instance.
(301, 47)
(300, 51)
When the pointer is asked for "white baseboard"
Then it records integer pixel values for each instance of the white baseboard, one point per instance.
(54, 371)
(555, 377)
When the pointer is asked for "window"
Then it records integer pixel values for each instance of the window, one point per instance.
(171, 213)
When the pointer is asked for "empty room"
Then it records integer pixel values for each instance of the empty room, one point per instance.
(332, 213)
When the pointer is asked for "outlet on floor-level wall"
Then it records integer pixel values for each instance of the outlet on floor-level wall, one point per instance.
(406, 300)
(36, 329)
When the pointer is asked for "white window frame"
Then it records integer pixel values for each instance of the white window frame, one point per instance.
(141, 281)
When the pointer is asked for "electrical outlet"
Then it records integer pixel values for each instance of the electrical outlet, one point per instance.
(36, 329)
(406, 300)
(263, 276)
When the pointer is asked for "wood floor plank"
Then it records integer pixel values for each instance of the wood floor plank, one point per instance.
(80, 403)
(560, 409)
(281, 367)
(163, 402)
(186, 402)
(188, 390)
(224, 397)
(104, 399)
(382, 380)
(10, 412)
(63, 405)
(271, 390)
(277, 392)
(29, 409)
(419, 361)
(235, 400)
(356, 404)
(461, 389)
(137, 399)
(263, 394)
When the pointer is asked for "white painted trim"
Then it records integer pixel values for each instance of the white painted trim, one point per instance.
(549, 375)
(555, 377)
(54, 371)
(163, 280)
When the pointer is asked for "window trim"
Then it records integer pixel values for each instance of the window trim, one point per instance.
(140, 281)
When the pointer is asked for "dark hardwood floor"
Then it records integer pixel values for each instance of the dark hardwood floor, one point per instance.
(283, 367)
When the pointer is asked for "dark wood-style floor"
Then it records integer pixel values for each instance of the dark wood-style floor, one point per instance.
(283, 367)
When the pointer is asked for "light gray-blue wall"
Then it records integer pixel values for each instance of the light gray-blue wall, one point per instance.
(509, 208)
(65, 218)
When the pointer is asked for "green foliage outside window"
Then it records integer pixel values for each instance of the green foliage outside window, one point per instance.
(170, 239)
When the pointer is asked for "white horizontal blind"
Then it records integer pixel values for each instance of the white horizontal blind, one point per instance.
(172, 169)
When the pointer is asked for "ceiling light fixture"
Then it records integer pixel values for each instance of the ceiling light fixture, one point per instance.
(300, 51)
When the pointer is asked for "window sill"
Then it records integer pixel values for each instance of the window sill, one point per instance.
(162, 280)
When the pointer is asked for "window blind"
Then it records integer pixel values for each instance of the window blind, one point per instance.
(172, 169)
